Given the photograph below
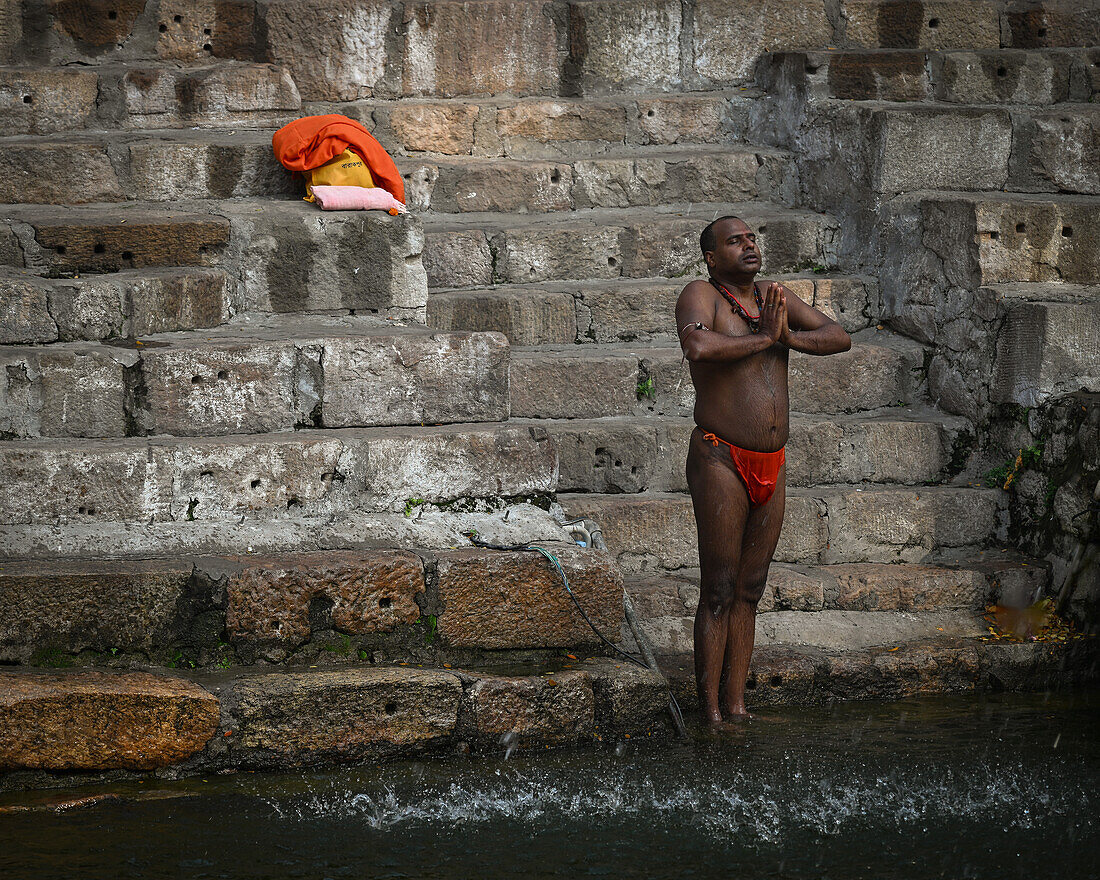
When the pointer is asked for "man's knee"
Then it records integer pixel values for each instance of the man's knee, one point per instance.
(751, 586)
(717, 593)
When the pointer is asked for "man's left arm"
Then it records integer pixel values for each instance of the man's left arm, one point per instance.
(810, 331)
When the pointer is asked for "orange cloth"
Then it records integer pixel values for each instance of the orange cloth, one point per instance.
(759, 471)
(312, 141)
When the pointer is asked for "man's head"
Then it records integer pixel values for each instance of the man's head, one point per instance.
(729, 248)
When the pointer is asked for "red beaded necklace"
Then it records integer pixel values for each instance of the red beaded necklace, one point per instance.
(752, 321)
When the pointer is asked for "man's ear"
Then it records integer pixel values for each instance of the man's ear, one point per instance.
(708, 257)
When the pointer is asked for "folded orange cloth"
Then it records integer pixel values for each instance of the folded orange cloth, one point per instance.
(310, 142)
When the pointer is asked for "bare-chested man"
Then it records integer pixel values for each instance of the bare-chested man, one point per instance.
(736, 332)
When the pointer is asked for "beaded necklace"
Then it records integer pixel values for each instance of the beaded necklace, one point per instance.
(752, 321)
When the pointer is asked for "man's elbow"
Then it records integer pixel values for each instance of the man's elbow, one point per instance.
(845, 341)
(693, 349)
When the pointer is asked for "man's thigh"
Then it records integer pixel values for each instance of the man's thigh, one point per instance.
(721, 506)
(762, 529)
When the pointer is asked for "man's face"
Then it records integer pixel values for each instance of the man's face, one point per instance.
(735, 252)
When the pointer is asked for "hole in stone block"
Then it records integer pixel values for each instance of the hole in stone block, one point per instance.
(99, 248)
(206, 31)
(555, 176)
(762, 229)
(391, 708)
(1001, 71)
(385, 602)
(112, 15)
(994, 235)
(207, 474)
(255, 484)
(1042, 32)
(933, 23)
(222, 374)
(750, 685)
(611, 261)
(196, 380)
(633, 470)
(292, 502)
(811, 69)
(27, 99)
(331, 477)
(1067, 232)
(87, 511)
(206, 47)
(1021, 227)
(775, 680)
(320, 613)
(61, 250)
(651, 112)
(177, 18)
(163, 27)
(618, 463)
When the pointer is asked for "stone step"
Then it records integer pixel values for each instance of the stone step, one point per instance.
(290, 256)
(136, 96)
(290, 607)
(638, 454)
(655, 531)
(266, 477)
(1046, 350)
(595, 381)
(993, 238)
(474, 250)
(985, 76)
(85, 721)
(619, 311)
(254, 377)
(123, 305)
(216, 164)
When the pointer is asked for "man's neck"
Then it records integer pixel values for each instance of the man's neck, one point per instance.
(739, 284)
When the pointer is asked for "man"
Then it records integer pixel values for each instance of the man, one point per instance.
(736, 332)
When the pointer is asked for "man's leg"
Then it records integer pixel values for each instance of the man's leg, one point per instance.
(721, 508)
(757, 548)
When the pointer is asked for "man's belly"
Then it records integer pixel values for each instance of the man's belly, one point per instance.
(761, 423)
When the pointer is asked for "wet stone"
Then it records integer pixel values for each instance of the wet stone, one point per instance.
(529, 711)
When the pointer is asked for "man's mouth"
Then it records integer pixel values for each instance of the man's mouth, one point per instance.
(751, 258)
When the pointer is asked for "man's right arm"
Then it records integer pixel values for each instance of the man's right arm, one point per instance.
(696, 306)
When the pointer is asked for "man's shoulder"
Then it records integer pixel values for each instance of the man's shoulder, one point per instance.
(696, 288)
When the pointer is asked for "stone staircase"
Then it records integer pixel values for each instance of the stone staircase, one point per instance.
(239, 432)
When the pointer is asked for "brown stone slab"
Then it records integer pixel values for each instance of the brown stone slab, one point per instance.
(101, 720)
(269, 598)
(532, 710)
(516, 599)
(322, 717)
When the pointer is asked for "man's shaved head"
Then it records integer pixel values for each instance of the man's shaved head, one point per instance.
(707, 240)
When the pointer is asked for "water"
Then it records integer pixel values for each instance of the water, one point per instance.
(958, 787)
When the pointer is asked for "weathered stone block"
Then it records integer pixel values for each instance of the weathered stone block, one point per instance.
(457, 258)
(11, 29)
(628, 310)
(43, 483)
(851, 302)
(24, 311)
(1004, 77)
(526, 317)
(789, 589)
(536, 129)
(625, 45)
(102, 240)
(618, 183)
(1064, 151)
(268, 598)
(683, 120)
(95, 25)
(517, 600)
(242, 388)
(502, 186)
(874, 76)
(307, 719)
(168, 171)
(644, 533)
(101, 720)
(55, 173)
(866, 377)
(189, 30)
(296, 258)
(1046, 350)
(729, 176)
(335, 51)
(582, 249)
(880, 451)
(445, 43)
(96, 605)
(934, 24)
(936, 149)
(1031, 26)
(626, 696)
(870, 587)
(413, 379)
(435, 128)
(566, 385)
(529, 711)
(184, 299)
(730, 36)
(805, 535)
(611, 455)
(44, 101)
(156, 97)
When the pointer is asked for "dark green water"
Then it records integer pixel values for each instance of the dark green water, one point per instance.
(960, 787)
